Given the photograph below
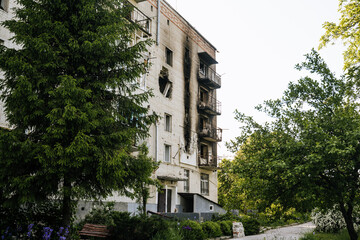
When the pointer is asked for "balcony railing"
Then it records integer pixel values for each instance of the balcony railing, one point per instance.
(209, 77)
(212, 106)
(140, 18)
(211, 134)
(208, 162)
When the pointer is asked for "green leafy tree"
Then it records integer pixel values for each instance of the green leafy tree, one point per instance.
(71, 102)
(232, 187)
(348, 30)
(310, 153)
(142, 185)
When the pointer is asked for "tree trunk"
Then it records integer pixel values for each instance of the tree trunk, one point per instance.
(66, 203)
(349, 220)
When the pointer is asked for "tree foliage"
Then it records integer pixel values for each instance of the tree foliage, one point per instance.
(71, 102)
(232, 187)
(347, 30)
(309, 155)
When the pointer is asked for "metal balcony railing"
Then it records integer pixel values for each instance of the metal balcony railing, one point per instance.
(210, 77)
(140, 18)
(211, 106)
(211, 134)
(208, 162)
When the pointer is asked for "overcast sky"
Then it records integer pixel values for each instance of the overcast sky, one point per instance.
(259, 43)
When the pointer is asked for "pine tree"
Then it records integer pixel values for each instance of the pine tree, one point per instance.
(71, 102)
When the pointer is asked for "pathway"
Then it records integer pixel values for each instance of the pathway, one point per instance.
(284, 233)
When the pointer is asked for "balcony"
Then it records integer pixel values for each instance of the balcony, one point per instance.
(141, 19)
(208, 162)
(211, 134)
(209, 77)
(211, 106)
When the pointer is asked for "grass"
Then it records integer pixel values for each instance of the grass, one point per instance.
(342, 235)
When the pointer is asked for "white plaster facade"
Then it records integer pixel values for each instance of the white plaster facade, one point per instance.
(178, 36)
(175, 140)
(6, 13)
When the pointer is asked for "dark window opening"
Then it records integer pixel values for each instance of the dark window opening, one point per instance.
(204, 96)
(168, 123)
(169, 56)
(203, 68)
(204, 151)
(165, 87)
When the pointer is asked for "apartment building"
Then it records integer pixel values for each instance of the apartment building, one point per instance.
(184, 81)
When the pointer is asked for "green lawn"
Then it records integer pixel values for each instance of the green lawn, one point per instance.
(343, 235)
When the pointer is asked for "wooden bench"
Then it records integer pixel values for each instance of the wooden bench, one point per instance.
(94, 230)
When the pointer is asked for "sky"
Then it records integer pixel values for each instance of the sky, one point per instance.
(259, 42)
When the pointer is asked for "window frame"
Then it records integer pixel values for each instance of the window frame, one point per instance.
(167, 153)
(204, 184)
(169, 56)
(187, 181)
(168, 122)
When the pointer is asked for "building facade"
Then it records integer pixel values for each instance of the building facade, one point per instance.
(184, 81)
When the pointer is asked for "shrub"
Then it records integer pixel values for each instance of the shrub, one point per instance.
(124, 226)
(211, 229)
(172, 233)
(136, 227)
(330, 221)
(191, 230)
(17, 219)
(226, 227)
(251, 225)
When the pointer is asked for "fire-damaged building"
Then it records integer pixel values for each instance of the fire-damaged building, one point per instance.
(184, 81)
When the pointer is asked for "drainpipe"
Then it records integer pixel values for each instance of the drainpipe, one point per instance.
(156, 142)
(158, 23)
(166, 192)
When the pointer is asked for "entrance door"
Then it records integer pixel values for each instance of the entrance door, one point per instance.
(169, 200)
(162, 199)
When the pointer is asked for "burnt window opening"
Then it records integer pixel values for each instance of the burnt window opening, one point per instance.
(2, 42)
(169, 56)
(204, 95)
(203, 68)
(165, 87)
(168, 22)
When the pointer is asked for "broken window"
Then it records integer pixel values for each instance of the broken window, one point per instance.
(204, 151)
(203, 69)
(165, 86)
(169, 56)
(203, 95)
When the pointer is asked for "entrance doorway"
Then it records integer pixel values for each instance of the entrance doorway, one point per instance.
(164, 200)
